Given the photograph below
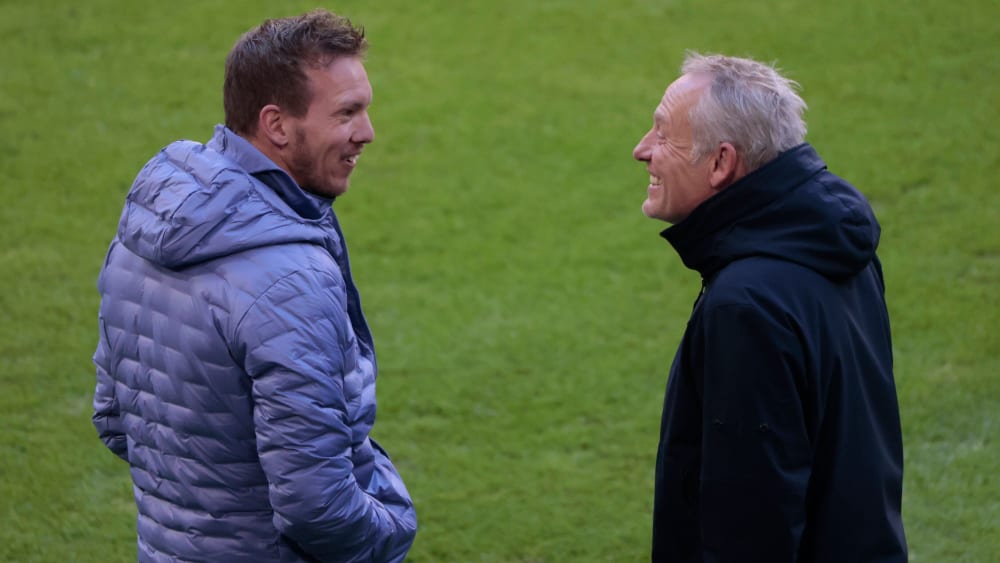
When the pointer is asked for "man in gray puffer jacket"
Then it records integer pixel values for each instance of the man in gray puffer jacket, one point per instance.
(235, 369)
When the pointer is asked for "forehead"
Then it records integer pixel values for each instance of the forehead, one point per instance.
(680, 96)
(343, 80)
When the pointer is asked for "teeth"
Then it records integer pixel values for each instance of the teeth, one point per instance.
(353, 159)
(654, 180)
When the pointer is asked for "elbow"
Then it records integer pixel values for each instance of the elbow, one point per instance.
(111, 435)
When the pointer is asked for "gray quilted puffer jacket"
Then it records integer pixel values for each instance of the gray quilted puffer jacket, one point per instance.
(236, 372)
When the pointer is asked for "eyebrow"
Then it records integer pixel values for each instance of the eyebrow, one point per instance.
(352, 105)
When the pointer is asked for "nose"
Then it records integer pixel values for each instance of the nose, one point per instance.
(365, 132)
(641, 151)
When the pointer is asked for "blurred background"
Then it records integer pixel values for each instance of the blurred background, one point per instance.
(524, 311)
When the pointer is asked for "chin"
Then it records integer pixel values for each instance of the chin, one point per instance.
(339, 187)
(325, 191)
(649, 210)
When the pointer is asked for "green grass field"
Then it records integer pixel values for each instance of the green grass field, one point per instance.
(525, 311)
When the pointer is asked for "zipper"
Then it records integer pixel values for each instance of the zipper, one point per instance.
(701, 295)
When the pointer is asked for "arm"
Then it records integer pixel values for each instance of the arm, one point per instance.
(757, 456)
(290, 343)
(106, 417)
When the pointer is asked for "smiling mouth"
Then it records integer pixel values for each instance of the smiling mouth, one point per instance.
(352, 159)
(655, 181)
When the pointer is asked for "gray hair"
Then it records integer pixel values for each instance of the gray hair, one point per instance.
(749, 104)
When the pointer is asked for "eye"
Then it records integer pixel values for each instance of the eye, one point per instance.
(349, 112)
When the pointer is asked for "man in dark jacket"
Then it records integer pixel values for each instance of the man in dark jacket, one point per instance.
(780, 439)
(235, 369)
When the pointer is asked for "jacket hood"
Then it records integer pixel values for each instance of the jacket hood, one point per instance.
(791, 208)
(194, 202)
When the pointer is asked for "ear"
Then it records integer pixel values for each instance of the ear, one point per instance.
(272, 126)
(727, 167)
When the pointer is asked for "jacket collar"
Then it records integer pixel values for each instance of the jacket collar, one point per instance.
(249, 158)
(699, 237)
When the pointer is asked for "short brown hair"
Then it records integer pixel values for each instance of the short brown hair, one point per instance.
(267, 64)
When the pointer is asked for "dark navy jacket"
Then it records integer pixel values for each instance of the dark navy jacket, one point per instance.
(780, 439)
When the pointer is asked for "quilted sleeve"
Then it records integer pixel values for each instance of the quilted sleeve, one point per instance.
(106, 415)
(291, 344)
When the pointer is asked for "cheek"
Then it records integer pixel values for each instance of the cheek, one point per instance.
(665, 160)
(333, 146)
